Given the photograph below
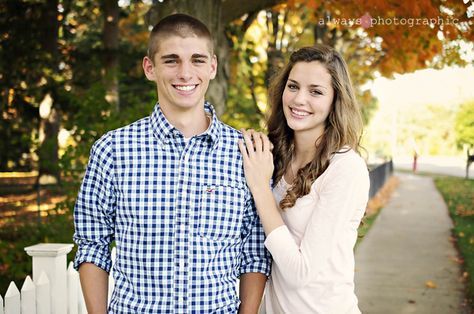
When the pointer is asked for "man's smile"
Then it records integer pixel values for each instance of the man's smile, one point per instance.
(185, 88)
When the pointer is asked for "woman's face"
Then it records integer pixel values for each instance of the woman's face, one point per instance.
(307, 98)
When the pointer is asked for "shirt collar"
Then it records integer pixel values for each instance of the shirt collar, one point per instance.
(164, 130)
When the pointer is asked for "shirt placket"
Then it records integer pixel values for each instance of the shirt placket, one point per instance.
(181, 234)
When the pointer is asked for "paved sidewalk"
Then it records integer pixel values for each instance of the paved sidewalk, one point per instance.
(407, 246)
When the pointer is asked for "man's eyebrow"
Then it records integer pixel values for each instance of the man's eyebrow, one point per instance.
(175, 56)
(201, 56)
(170, 56)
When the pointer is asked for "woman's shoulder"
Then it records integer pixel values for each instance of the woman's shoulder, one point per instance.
(346, 157)
(346, 165)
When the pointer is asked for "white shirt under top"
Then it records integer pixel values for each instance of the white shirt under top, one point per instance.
(313, 253)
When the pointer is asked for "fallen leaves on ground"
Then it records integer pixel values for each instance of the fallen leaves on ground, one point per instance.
(430, 284)
(382, 196)
(457, 259)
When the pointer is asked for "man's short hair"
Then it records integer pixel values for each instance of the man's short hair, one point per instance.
(179, 24)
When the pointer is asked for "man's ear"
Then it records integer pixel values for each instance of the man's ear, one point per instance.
(148, 68)
(213, 66)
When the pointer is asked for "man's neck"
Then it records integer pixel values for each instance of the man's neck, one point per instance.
(189, 122)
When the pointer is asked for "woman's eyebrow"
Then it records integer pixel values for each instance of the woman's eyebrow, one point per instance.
(311, 85)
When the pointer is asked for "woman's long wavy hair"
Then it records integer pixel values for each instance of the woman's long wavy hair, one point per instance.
(343, 127)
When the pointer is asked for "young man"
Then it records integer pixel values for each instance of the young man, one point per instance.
(170, 190)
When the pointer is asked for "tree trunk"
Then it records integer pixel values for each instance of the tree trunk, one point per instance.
(275, 56)
(322, 35)
(110, 40)
(48, 153)
(48, 150)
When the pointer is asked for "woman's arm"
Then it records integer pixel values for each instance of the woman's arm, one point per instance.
(341, 193)
(345, 185)
(258, 168)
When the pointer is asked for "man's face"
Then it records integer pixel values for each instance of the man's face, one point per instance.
(181, 69)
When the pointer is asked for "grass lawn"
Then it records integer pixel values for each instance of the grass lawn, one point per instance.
(458, 194)
(367, 223)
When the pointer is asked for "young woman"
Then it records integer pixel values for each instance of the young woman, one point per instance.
(320, 184)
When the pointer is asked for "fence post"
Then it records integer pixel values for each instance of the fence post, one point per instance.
(43, 295)
(51, 258)
(72, 290)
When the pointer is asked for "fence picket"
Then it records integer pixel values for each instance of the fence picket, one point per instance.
(1, 305)
(82, 302)
(12, 300)
(28, 296)
(72, 290)
(43, 295)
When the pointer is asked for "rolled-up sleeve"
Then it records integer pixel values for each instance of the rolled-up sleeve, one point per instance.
(94, 211)
(255, 257)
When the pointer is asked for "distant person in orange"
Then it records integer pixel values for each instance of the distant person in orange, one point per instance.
(415, 154)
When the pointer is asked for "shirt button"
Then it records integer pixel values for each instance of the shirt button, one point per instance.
(181, 300)
(183, 227)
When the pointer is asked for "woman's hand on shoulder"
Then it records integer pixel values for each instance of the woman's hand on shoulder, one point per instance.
(258, 159)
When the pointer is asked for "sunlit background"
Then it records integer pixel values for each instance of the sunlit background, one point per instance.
(71, 70)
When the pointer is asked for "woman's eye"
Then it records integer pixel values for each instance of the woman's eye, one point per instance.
(292, 86)
(316, 92)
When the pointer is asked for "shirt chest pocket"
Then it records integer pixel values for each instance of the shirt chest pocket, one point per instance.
(221, 212)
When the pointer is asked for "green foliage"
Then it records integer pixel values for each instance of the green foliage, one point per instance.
(464, 124)
(419, 126)
(15, 264)
(242, 109)
(21, 69)
(459, 196)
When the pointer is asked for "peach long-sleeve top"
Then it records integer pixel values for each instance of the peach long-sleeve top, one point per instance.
(313, 253)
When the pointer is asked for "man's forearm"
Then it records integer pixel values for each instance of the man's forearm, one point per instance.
(94, 283)
(251, 292)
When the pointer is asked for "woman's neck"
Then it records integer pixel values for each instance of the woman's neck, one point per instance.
(305, 149)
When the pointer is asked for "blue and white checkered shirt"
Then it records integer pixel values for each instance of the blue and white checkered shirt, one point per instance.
(181, 215)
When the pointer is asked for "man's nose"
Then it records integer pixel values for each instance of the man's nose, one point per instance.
(185, 71)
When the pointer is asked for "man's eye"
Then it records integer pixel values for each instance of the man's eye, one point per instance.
(171, 61)
(199, 61)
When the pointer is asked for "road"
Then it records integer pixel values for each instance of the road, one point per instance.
(453, 166)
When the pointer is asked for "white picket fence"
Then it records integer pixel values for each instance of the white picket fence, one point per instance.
(54, 289)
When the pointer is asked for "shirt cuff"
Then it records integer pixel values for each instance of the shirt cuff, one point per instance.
(279, 241)
(97, 255)
(262, 266)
